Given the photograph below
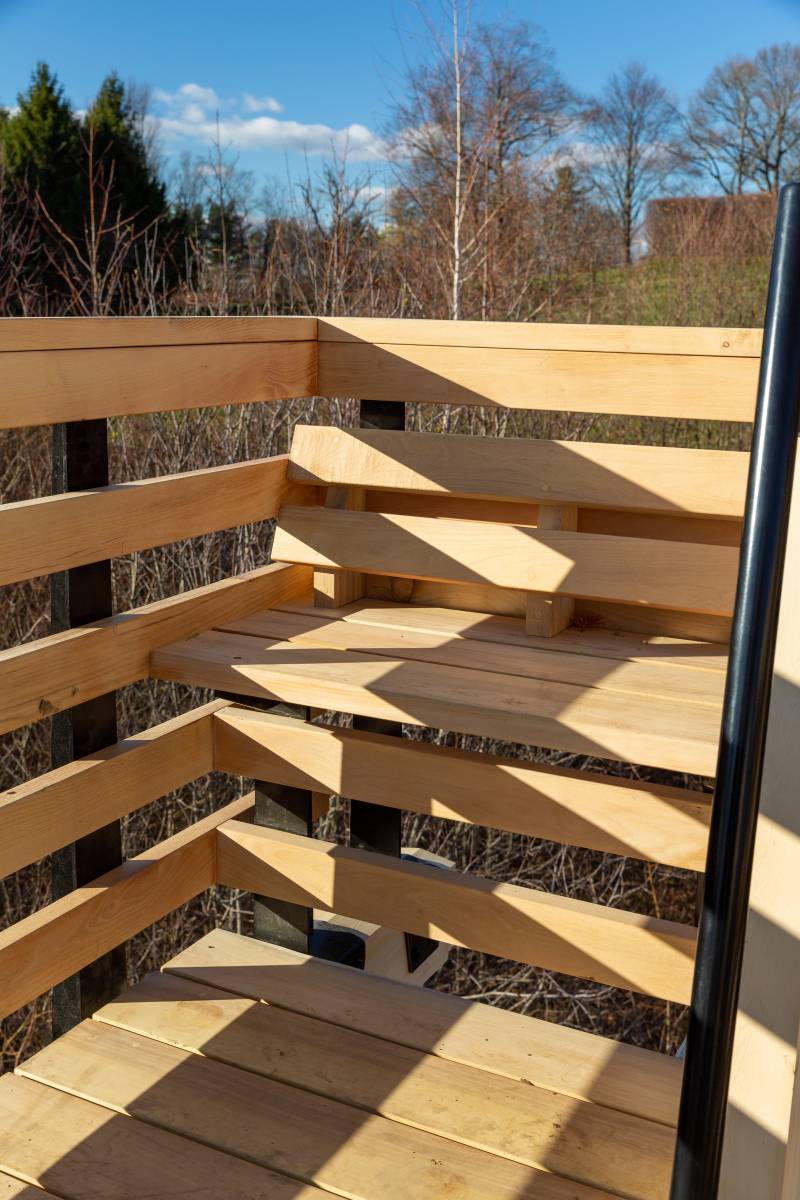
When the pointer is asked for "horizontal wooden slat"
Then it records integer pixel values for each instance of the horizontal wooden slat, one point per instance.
(482, 1036)
(86, 1152)
(56, 941)
(84, 333)
(63, 531)
(43, 387)
(612, 725)
(344, 1149)
(650, 821)
(607, 945)
(673, 385)
(510, 657)
(525, 1122)
(483, 627)
(536, 335)
(57, 672)
(677, 575)
(63, 805)
(17, 1189)
(648, 478)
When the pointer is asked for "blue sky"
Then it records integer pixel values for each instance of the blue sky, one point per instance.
(288, 79)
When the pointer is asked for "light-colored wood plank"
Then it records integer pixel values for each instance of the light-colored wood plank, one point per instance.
(518, 1121)
(56, 941)
(40, 388)
(546, 615)
(652, 479)
(63, 531)
(332, 589)
(623, 949)
(63, 805)
(86, 1152)
(675, 385)
(623, 619)
(664, 574)
(344, 1150)
(512, 657)
(79, 333)
(536, 335)
(485, 627)
(650, 821)
(43, 677)
(604, 724)
(494, 1040)
(16, 1189)
(761, 1148)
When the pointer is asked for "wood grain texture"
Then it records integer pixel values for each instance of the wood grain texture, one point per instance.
(635, 384)
(604, 724)
(672, 575)
(617, 816)
(16, 1189)
(607, 945)
(65, 804)
(43, 387)
(490, 1039)
(42, 677)
(522, 655)
(333, 589)
(84, 1151)
(651, 479)
(40, 537)
(517, 1121)
(542, 335)
(84, 333)
(56, 941)
(283, 1129)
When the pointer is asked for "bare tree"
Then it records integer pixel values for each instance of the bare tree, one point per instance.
(632, 129)
(744, 123)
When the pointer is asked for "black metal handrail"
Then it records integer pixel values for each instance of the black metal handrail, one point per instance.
(701, 1122)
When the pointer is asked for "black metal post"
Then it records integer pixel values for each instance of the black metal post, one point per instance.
(373, 826)
(78, 597)
(701, 1123)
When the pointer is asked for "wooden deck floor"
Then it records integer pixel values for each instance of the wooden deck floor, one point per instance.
(244, 1071)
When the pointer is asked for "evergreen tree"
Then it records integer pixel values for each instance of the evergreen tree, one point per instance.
(42, 149)
(118, 148)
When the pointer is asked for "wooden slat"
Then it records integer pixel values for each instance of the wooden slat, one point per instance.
(570, 1061)
(518, 1121)
(623, 949)
(636, 384)
(43, 387)
(511, 657)
(56, 672)
(84, 333)
(343, 1149)
(653, 479)
(650, 821)
(86, 1152)
(663, 574)
(63, 805)
(17, 1189)
(40, 537)
(484, 627)
(625, 619)
(56, 941)
(613, 725)
(535, 335)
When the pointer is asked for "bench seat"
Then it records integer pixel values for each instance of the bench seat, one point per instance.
(245, 1070)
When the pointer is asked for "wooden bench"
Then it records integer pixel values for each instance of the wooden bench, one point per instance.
(573, 596)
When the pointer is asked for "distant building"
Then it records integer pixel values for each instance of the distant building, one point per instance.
(698, 226)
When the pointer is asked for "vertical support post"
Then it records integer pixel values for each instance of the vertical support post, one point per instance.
(78, 597)
(546, 615)
(734, 823)
(373, 826)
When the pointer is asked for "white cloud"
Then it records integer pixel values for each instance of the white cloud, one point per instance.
(189, 114)
(257, 104)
